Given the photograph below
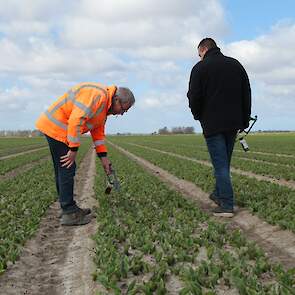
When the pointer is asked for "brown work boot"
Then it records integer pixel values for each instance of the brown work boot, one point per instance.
(76, 218)
(86, 211)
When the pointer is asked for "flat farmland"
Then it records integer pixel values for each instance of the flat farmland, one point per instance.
(157, 235)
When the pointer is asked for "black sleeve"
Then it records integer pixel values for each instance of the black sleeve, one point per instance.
(246, 99)
(74, 149)
(194, 93)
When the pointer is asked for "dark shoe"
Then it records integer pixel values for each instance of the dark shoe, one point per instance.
(85, 211)
(222, 212)
(213, 198)
(76, 218)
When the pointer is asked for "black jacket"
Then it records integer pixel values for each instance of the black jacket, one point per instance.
(219, 93)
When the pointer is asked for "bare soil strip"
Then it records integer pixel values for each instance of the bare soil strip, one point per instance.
(262, 161)
(279, 245)
(58, 260)
(281, 182)
(23, 153)
(272, 154)
(19, 170)
(204, 147)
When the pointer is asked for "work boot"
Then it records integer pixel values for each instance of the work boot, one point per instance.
(222, 212)
(86, 211)
(214, 198)
(75, 218)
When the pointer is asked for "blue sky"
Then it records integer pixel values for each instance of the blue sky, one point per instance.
(249, 19)
(149, 46)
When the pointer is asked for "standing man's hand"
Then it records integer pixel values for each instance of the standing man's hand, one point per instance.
(106, 164)
(69, 159)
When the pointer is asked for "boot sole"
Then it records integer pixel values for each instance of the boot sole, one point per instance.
(224, 214)
(85, 220)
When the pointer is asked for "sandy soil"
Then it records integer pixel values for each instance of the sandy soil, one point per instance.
(279, 245)
(58, 260)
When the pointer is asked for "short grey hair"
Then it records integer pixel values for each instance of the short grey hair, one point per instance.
(125, 95)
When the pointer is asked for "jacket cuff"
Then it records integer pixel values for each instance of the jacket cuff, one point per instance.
(102, 154)
(74, 149)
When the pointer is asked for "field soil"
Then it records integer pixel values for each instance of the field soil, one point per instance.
(22, 153)
(281, 182)
(278, 245)
(58, 260)
(15, 172)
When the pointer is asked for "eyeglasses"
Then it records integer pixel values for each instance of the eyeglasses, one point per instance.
(121, 106)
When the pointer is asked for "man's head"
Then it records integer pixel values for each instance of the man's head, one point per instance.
(122, 101)
(204, 46)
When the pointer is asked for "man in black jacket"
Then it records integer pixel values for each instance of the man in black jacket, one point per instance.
(220, 98)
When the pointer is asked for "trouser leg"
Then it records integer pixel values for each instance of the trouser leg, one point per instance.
(217, 147)
(64, 177)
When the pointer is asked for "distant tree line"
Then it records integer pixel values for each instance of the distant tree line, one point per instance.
(177, 130)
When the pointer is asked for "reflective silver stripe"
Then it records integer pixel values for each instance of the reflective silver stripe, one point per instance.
(62, 102)
(55, 121)
(99, 142)
(93, 86)
(71, 95)
(99, 110)
(89, 125)
(83, 107)
(73, 139)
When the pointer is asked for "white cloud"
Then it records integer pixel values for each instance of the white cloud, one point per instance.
(137, 25)
(161, 101)
(270, 62)
(13, 99)
(148, 45)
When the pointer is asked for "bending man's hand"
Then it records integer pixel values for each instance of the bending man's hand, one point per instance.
(106, 164)
(69, 159)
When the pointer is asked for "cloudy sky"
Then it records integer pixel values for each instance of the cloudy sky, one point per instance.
(147, 45)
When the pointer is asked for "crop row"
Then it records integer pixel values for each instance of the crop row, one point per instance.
(23, 201)
(283, 143)
(9, 164)
(274, 203)
(150, 240)
(10, 146)
(202, 149)
(275, 170)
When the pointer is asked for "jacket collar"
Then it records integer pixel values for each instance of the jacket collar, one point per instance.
(212, 51)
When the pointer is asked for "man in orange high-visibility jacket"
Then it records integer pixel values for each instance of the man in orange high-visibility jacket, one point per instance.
(83, 108)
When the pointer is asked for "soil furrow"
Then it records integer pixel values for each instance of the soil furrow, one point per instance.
(279, 245)
(58, 260)
(281, 182)
(22, 153)
(19, 170)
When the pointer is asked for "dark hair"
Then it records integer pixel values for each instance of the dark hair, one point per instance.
(208, 43)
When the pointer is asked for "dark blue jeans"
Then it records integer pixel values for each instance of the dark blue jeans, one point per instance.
(220, 147)
(64, 177)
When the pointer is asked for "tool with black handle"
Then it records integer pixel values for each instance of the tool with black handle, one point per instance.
(242, 139)
(112, 181)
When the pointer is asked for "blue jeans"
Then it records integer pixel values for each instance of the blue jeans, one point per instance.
(64, 177)
(220, 147)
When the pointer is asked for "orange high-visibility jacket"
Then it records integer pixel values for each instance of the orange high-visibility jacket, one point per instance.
(83, 108)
